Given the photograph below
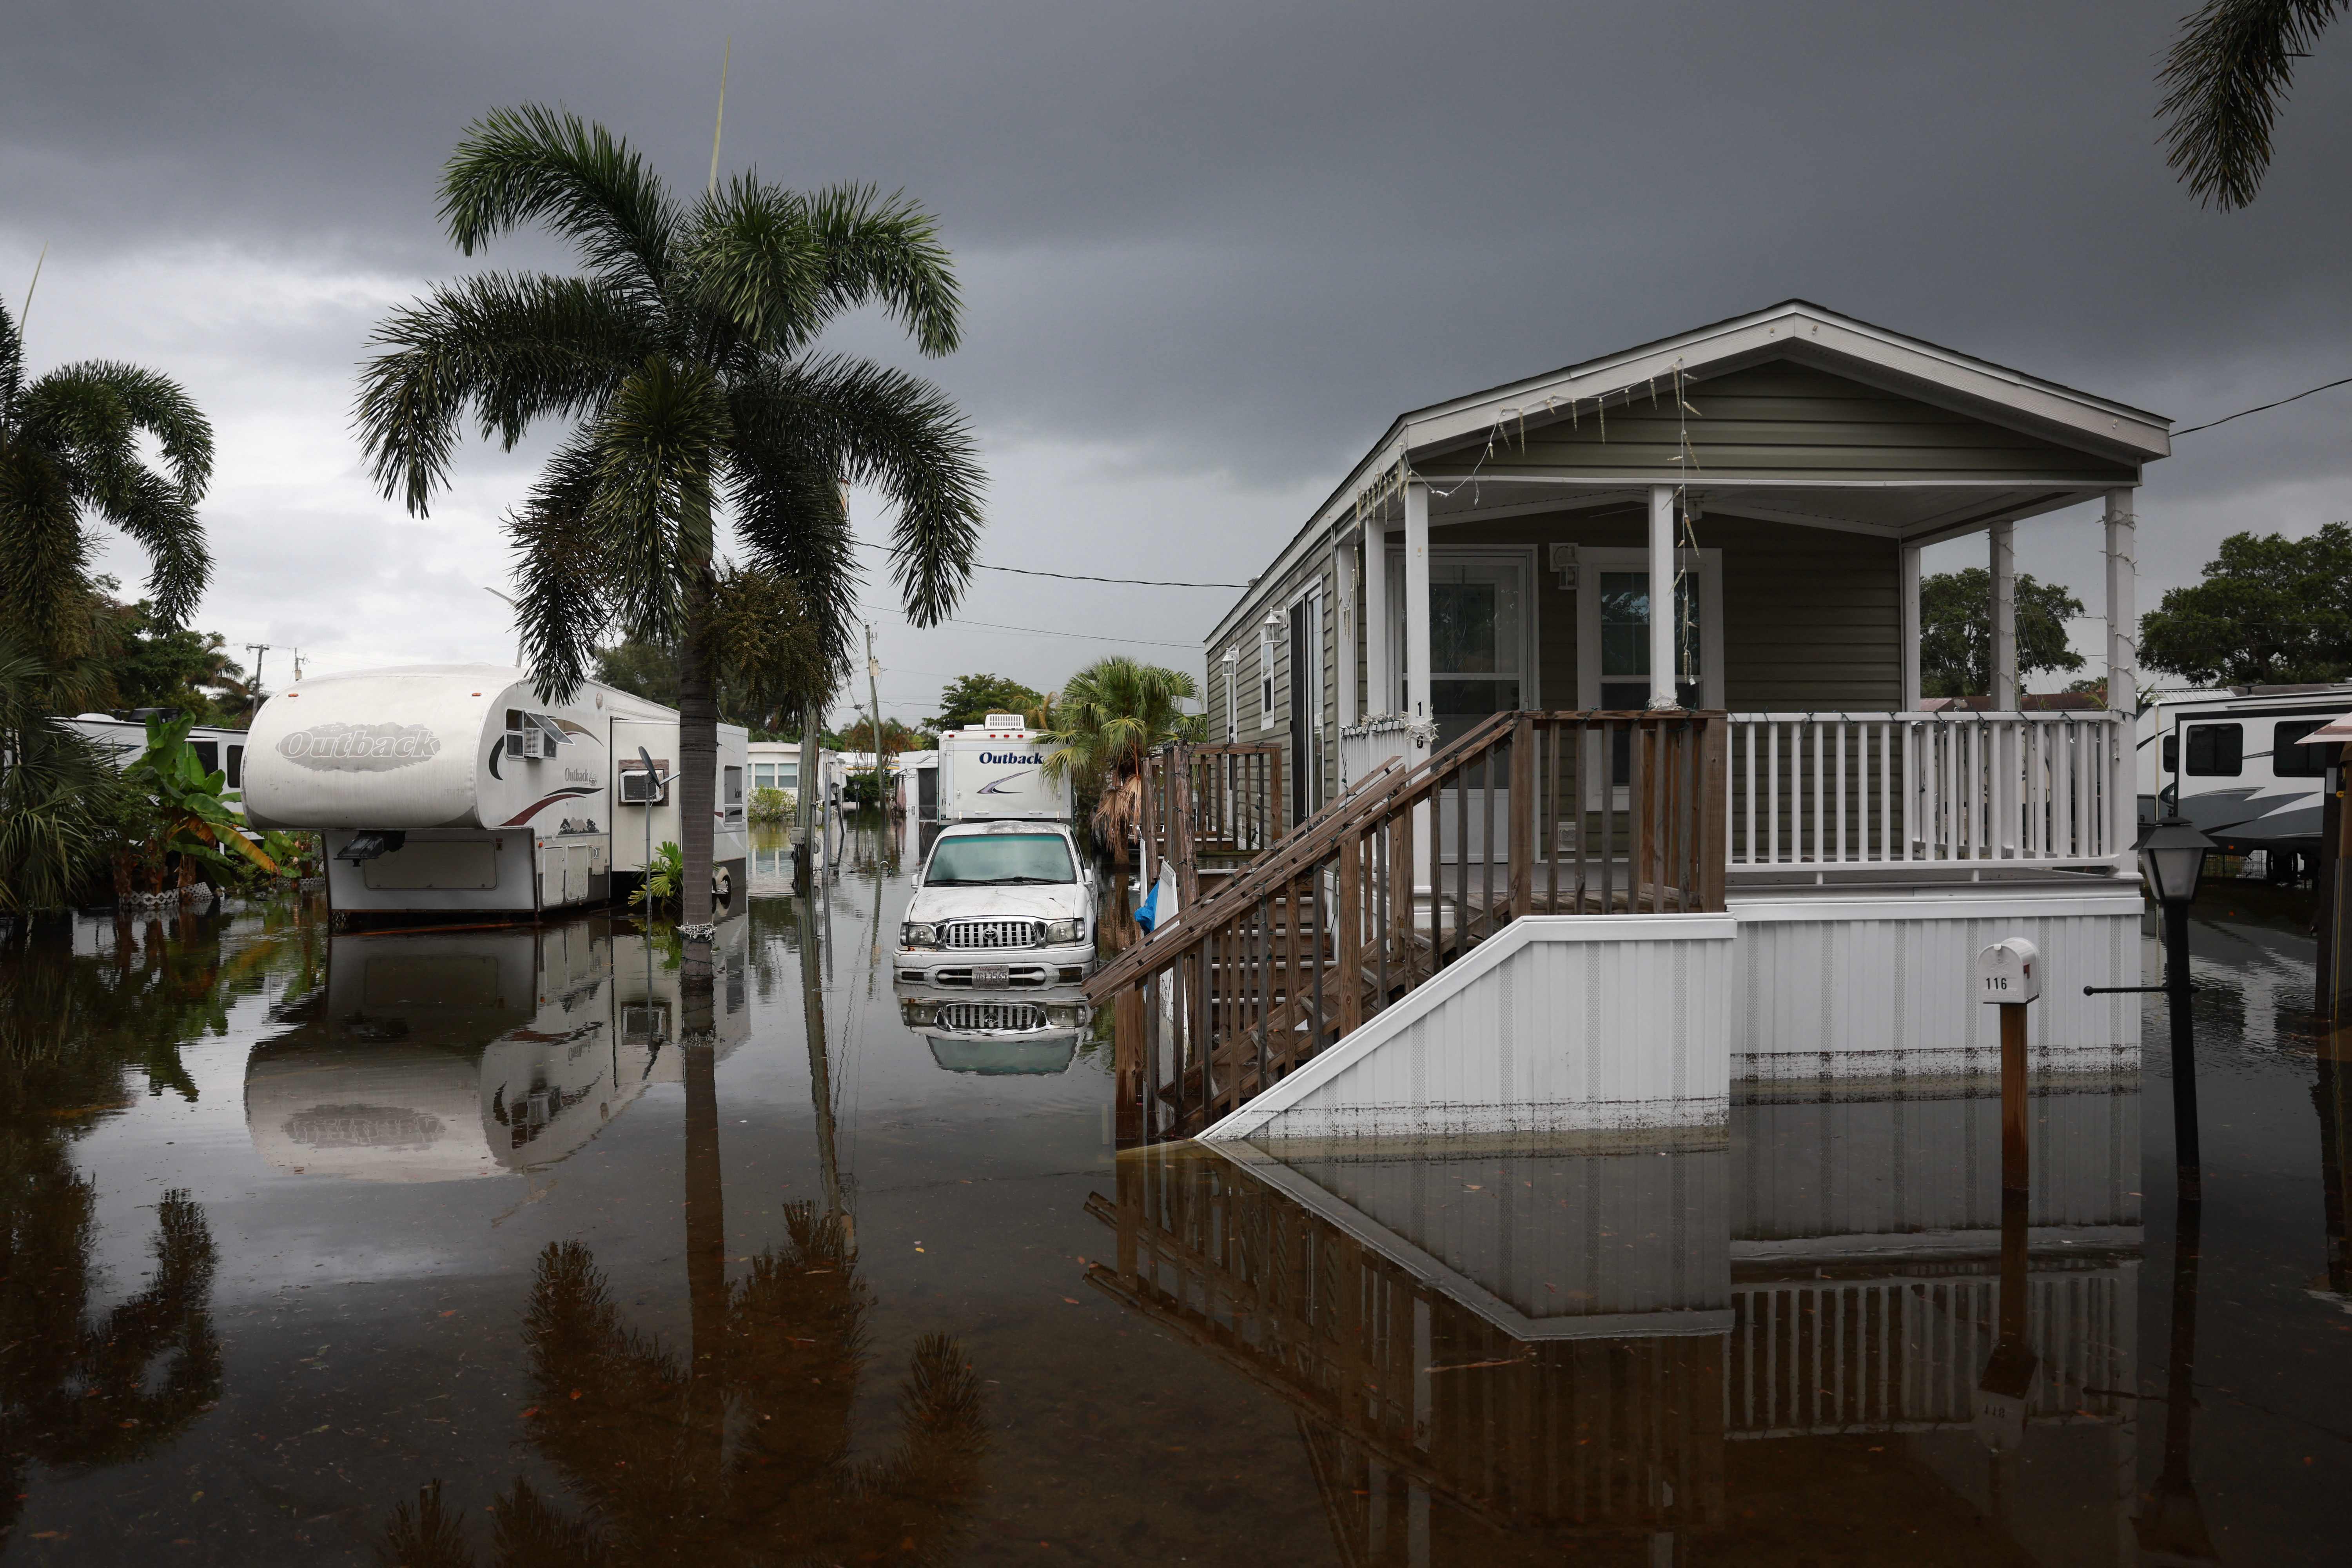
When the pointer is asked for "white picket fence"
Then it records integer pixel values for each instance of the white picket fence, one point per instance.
(1809, 790)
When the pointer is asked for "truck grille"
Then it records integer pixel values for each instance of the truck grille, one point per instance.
(971, 934)
(994, 1015)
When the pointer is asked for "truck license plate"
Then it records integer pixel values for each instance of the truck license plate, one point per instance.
(992, 976)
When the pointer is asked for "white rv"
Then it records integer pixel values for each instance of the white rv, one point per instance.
(124, 740)
(2235, 765)
(996, 772)
(430, 1057)
(454, 788)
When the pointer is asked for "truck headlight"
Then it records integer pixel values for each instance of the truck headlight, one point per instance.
(1066, 1015)
(918, 1015)
(918, 933)
(1066, 930)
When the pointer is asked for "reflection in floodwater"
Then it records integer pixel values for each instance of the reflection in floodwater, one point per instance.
(743, 1456)
(429, 1056)
(1753, 1349)
(82, 1388)
(998, 1033)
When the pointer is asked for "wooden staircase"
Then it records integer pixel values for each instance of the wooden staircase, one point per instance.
(1393, 882)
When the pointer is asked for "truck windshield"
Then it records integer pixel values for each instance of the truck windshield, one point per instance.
(999, 861)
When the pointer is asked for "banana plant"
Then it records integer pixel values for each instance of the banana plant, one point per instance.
(191, 804)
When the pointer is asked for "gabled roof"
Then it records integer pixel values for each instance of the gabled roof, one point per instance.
(1793, 330)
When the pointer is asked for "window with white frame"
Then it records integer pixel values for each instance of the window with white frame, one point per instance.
(1232, 673)
(1482, 636)
(1266, 644)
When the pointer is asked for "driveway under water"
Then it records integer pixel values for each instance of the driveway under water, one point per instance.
(451, 1248)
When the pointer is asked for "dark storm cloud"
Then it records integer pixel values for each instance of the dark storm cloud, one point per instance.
(1234, 238)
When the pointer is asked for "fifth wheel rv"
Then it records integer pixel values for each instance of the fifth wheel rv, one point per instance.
(2236, 764)
(996, 772)
(445, 789)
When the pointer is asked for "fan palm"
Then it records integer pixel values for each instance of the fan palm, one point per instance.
(71, 457)
(1103, 724)
(683, 363)
(2224, 79)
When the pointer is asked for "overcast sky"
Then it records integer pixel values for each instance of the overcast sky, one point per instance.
(1209, 250)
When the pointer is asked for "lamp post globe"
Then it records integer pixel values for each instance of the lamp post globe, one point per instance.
(2172, 859)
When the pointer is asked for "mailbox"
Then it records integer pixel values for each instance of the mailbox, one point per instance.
(2009, 972)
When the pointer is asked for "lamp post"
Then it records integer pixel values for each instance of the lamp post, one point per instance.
(2172, 859)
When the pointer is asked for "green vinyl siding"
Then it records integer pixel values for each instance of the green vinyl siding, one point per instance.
(1785, 419)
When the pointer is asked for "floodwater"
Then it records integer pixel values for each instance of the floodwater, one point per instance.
(442, 1249)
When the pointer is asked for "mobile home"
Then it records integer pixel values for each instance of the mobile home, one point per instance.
(455, 788)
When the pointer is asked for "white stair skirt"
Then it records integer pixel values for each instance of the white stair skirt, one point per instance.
(1556, 1024)
(1839, 988)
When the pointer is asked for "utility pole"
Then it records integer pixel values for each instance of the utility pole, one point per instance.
(298, 667)
(256, 649)
(874, 695)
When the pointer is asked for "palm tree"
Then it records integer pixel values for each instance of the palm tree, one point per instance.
(59, 794)
(70, 457)
(2227, 74)
(1103, 724)
(683, 362)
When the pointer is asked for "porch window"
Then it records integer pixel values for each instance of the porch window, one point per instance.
(1266, 671)
(1481, 630)
(1624, 605)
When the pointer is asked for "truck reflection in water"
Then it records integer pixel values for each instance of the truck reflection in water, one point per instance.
(1738, 1353)
(998, 1034)
(433, 1056)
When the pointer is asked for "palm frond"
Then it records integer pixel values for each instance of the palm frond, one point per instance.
(762, 639)
(161, 517)
(45, 554)
(787, 507)
(880, 427)
(55, 795)
(561, 570)
(514, 348)
(143, 400)
(533, 163)
(12, 363)
(886, 250)
(2225, 78)
(652, 504)
(753, 261)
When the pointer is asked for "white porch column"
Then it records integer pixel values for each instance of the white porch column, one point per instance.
(1907, 592)
(2004, 537)
(1379, 676)
(1343, 596)
(1416, 604)
(2123, 669)
(1662, 596)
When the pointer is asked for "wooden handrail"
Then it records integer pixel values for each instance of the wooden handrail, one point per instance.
(1334, 923)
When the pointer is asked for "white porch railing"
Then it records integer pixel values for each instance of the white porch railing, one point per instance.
(2021, 790)
(1365, 747)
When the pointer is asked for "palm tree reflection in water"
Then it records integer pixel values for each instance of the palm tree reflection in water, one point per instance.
(741, 1451)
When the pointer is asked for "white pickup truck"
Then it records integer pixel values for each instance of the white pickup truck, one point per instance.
(1000, 904)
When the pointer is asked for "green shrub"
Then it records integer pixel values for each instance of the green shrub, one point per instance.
(772, 804)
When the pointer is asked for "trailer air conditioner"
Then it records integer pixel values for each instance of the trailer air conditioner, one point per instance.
(643, 787)
(532, 736)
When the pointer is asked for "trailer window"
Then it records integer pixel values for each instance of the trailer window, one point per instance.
(208, 754)
(2216, 751)
(237, 767)
(2172, 752)
(2290, 758)
(763, 775)
(732, 790)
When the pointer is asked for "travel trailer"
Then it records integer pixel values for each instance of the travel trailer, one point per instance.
(219, 750)
(433, 1058)
(996, 772)
(447, 789)
(2234, 763)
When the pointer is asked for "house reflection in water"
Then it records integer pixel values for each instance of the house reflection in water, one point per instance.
(432, 1057)
(1767, 1347)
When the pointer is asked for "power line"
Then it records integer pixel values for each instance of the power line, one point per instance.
(1035, 632)
(2264, 407)
(1079, 576)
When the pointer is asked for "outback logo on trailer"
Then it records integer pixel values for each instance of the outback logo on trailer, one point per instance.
(360, 748)
(1008, 759)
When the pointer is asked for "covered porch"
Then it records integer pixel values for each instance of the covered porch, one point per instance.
(1782, 472)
